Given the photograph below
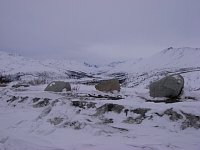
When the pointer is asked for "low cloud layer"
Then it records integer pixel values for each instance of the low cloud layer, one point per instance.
(97, 30)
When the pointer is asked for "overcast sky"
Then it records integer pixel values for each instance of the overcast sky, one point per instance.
(97, 30)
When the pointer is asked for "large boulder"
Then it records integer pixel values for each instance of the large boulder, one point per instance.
(58, 86)
(170, 86)
(108, 85)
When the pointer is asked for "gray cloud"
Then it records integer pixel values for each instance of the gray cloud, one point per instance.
(97, 30)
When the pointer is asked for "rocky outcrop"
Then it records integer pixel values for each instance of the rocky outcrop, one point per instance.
(108, 85)
(108, 97)
(170, 86)
(42, 103)
(109, 108)
(58, 86)
(83, 104)
(140, 115)
(56, 120)
(191, 121)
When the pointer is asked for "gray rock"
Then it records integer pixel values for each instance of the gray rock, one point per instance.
(56, 120)
(137, 120)
(108, 85)
(58, 86)
(141, 111)
(5, 79)
(36, 99)
(170, 86)
(131, 120)
(191, 121)
(83, 104)
(173, 115)
(107, 121)
(42, 103)
(12, 99)
(20, 85)
(109, 108)
(74, 124)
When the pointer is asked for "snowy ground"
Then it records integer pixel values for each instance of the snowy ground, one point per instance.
(32, 119)
(24, 126)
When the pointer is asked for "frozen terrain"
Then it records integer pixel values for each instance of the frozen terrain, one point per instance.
(86, 119)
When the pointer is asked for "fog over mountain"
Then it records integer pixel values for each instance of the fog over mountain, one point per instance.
(97, 31)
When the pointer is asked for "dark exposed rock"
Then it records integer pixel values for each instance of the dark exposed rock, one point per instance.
(83, 104)
(3, 85)
(164, 100)
(173, 115)
(138, 120)
(131, 120)
(126, 111)
(107, 121)
(78, 75)
(58, 86)
(120, 129)
(191, 121)
(12, 99)
(188, 120)
(170, 100)
(42, 103)
(109, 108)
(23, 99)
(170, 86)
(108, 85)
(5, 79)
(36, 99)
(20, 99)
(56, 120)
(190, 98)
(106, 97)
(74, 124)
(141, 111)
(121, 76)
(20, 85)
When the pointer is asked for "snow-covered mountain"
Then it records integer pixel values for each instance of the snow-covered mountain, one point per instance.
(11, 64)
(15, 65)
(136, 72)
(167, 59)
(34, 119)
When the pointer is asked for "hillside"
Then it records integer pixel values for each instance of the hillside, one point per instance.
(169, 58)
(141, 72)
(30, 69)
(84, 118)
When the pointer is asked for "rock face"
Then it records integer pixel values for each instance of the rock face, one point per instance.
(58, 86)
(170, 86)
(108, 85)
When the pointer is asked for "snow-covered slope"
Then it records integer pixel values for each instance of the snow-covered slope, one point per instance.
(34, 119)
(167, 59)
(12, 64)
(137, 72)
